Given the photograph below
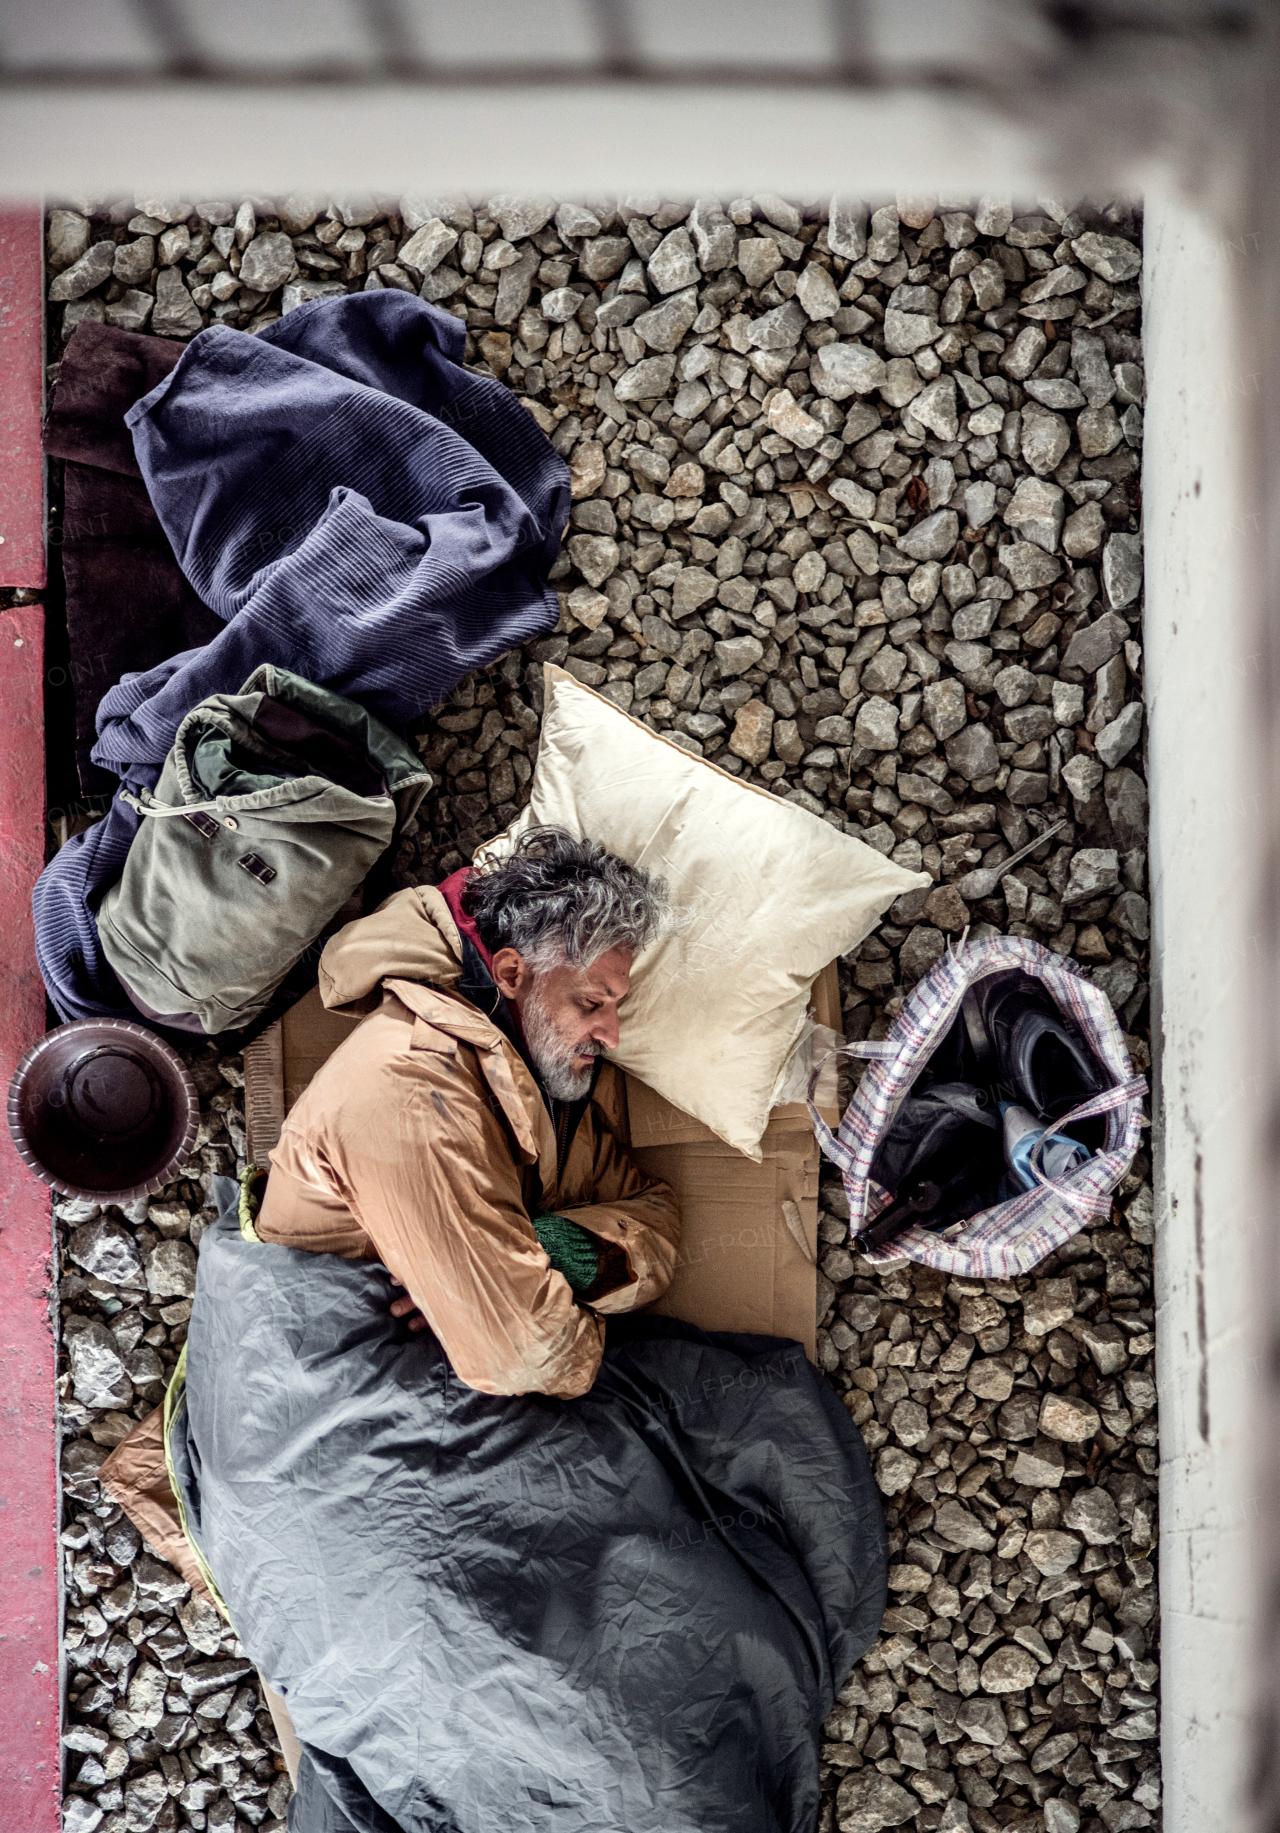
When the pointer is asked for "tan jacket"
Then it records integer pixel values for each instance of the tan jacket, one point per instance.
(424, 1143)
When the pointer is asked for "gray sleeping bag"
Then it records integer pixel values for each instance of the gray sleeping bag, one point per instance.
(626, 1613)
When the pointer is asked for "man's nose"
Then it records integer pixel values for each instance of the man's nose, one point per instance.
(605, 1030)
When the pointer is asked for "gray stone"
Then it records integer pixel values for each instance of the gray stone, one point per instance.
(171, 1270)
(846, 228)
(176, 313)
(737, 654)
(935, 408)
(518, 217)
(561, 303)
(515, 283)
(1009, 1670)
(1093, 1513)
(694, 587)
(1083, 533)
(816, 292)
(601, 259)
(427, 247)
(1024, 353)
(302, 292)
(759, 259)
(79, 1815)
(1094, 872)
(1013, 685)
(779, 329)
(840, 370)
(1054, 392)
(1036, 511)
(267, 262)
(1110, 256)
(993, 216)
(85, 274)
(132, 312)
(944, 707)
(1067, 1419)
(922, 950)
(1019, 1417)
(979, 503)
(646, 380)
(714, 236)
(989, 1378)
(1051, 1551)
(299, 211)
(955, 1523)
(664, 326)
(876, 725)
(1096, 643)
(933, 538)
(907, 332)
(867, 1801)
(972, 753)
(97, 1366)
(1039, 1466)
(1116, 740)
(802, 430)
(883, 236)
(988, 283)
(858, 501)
(595, 556)
(1125, 795)
(1027, 788)
(1045, 439)
(1098, 431)
(1122, 570)
(884, 671)
(983, 1721)
(673, 263)
(1029, 567)
(66, 239)
(134, 260)
(106, 1249)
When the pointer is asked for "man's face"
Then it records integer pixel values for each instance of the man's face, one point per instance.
(569, 1014)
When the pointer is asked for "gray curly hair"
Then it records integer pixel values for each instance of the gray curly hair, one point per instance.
(558, 899)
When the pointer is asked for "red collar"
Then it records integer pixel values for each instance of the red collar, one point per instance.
(451, 890)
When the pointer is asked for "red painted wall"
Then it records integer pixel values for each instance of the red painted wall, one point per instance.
(21, 394)
(30, 1692)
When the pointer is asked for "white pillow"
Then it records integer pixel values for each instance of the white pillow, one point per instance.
(771, 895)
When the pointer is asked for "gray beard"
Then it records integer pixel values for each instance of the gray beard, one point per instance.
(552, 1057)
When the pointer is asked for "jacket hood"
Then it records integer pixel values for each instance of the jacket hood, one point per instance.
(412, 936)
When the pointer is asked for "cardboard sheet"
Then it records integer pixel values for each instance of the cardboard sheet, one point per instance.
(749, 1249)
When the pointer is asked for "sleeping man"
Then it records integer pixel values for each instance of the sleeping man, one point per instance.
(468, 1134)
(536, 1563)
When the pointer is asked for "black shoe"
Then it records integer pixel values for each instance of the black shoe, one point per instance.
(1034, 1050)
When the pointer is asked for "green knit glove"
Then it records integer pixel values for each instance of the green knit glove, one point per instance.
(571, 1249)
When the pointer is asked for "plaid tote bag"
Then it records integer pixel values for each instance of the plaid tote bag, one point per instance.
(1013, 1236)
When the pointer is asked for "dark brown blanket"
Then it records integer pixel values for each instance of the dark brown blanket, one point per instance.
(129, 605)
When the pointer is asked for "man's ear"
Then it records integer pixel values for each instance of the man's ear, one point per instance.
(510, 973)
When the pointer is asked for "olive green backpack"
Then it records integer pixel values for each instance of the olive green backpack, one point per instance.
(271, 809)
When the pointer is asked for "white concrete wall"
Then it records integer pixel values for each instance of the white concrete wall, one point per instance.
(1203, 680)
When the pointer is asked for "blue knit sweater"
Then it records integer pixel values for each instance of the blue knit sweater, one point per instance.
(360, 509)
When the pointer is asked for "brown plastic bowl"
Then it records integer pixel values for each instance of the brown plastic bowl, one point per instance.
(103, 1109)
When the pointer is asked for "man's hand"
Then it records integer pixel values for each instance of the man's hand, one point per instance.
(405, 1307)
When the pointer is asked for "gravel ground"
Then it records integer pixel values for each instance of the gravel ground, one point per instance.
(856, 515)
